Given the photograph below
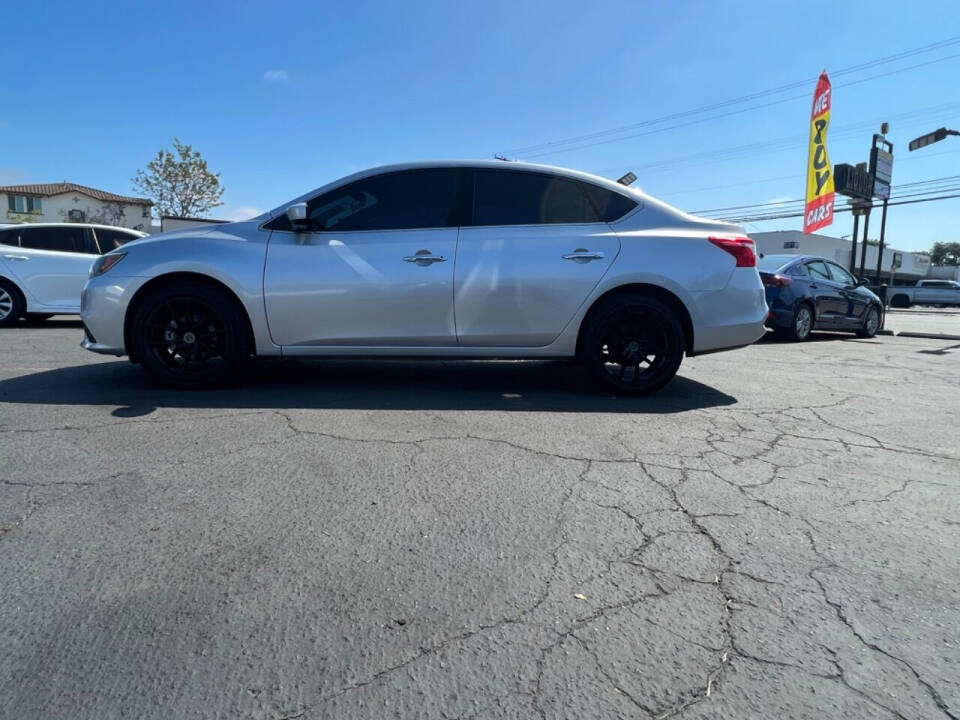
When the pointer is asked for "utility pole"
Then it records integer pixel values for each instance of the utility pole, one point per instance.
(881, 168)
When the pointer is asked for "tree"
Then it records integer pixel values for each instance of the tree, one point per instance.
(180, 184)
(945, 253)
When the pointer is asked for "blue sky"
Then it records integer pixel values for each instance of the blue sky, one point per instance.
(281, 97)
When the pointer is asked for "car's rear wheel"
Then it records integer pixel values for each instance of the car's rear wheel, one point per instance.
(11, 303)
(633, 345)
(801, 326)
(190, 335)
(871, 323)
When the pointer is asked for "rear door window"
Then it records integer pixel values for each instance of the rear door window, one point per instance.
(112, 239)
(61, 239)
(505, 197)
(818, 270)
(610, 205)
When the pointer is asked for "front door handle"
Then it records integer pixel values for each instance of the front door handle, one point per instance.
(16, 257)
(424, 258)
(814, 286)
(582, 255)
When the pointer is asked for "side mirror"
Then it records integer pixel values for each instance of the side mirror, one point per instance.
(862, 281)
(297, 215)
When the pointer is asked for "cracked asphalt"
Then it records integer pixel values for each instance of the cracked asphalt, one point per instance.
(775, 535)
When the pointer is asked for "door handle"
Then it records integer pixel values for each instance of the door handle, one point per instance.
(582, 255)
(16, 257)
(424, 257)
(814, 286)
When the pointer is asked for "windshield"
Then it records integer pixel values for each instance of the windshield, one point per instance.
(772, 263)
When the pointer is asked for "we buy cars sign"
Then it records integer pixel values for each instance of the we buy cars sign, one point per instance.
(818, 211)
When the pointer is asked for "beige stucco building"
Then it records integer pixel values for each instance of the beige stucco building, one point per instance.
(69, 202)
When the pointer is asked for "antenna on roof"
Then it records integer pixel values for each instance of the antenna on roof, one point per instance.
(498, 156)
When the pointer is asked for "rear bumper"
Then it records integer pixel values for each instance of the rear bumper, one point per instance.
(732, 317)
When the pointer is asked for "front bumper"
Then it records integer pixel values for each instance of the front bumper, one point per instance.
(103, 307)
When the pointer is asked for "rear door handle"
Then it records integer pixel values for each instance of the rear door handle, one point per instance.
(814, 286)
(583, 256)
(16, 257)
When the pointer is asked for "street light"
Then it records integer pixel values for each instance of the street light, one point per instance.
(931, 138)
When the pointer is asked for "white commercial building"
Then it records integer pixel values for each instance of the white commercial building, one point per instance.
(913, 265)
(69, 202)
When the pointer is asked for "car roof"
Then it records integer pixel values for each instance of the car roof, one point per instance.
(478, 164)
(86, 225)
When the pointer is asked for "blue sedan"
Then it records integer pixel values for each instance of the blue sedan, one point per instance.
(807, 292)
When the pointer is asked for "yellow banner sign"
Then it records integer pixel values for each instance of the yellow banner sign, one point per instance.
(820, 193)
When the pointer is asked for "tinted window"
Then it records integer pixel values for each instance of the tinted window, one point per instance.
(818, 270)
(609, 204)
(9, 237)
(112, 239)
(64, 239)
(504, 197)
(395, 201)
(772, 263)
(840, 275)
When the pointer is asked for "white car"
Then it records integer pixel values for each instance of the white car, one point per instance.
(481, 259)
(43, 266)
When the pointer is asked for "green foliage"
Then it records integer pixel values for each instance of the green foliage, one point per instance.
(945, 253)
(180, 183)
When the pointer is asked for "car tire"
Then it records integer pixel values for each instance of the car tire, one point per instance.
(871, 323)
(632, 345)
(799, 330)
(190, 335)
(12, 304)
(38, 317)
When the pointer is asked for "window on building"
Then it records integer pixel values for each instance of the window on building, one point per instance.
(146, 211)
(24, 204)
(790, 244)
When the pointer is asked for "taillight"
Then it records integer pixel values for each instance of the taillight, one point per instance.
(742, 249)
(775, 280)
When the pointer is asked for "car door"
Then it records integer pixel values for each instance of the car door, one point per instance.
(375, 267)
(536, 248)
(855, 300)
(831, 305)
(53, 263)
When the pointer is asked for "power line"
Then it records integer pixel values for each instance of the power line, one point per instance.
(740, 111)
(934, 181)
(743, 98)
(786, 216)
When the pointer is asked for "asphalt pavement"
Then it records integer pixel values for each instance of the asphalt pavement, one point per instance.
(774, 535)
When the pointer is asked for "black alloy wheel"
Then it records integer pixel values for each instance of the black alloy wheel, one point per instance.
(190, 335)
(633, 346)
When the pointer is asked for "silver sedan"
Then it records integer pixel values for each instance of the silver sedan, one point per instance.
(441, 260)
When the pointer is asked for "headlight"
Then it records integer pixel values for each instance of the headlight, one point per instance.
(103, 263)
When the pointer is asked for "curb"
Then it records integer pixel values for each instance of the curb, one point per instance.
(930, 336)
(885, 332)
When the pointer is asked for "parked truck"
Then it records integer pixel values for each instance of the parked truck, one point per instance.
(939, 293)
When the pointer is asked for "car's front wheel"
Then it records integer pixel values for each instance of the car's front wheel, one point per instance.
(633, 345)
(871, 323)
(190, 335)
